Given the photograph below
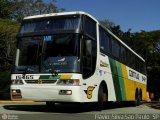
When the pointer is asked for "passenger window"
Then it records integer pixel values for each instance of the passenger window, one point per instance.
(115, 49)
(123, 54)
(104, 41)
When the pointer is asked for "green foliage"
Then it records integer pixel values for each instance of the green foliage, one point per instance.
(116, 29)
(7, 43)
(6, 8)
(107, 23)
(17, 9)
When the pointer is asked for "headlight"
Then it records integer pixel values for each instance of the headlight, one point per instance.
(17, 82)
(68, 82)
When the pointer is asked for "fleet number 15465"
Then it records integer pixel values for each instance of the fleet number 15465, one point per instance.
(24, 76)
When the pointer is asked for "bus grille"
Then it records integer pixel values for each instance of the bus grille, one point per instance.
(40, 81)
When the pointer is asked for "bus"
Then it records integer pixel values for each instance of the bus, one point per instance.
(72, 57)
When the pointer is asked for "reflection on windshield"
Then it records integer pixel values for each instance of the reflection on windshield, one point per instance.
(30, 51)
(59, 52)
(61, 64)
(62, 45)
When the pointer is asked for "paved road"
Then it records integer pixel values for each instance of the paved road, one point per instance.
(38, 111)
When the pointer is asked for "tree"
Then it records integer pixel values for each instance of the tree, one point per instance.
(17, 9)
(34, 7)
(107, 23)
(6, 8)
(116, 29)
(7, 43)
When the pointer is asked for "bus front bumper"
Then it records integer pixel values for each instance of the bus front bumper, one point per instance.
(46, 93)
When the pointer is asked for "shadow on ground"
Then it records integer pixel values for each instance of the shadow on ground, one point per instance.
(64, 108)
(154, 105)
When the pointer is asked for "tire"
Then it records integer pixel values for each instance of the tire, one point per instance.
(137, 99)
(50, 105)
(100, 103)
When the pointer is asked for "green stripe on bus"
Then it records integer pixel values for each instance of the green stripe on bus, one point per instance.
(121, 80)
(115, 79)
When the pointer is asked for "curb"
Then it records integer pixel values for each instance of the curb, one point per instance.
(16, 101)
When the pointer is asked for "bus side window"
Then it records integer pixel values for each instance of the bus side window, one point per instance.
(123, 54)
(89, 57)
(115, 49)
(89, 27)
(104, 41)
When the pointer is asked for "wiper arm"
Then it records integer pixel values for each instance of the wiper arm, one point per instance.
(25, 71)
(51, 70)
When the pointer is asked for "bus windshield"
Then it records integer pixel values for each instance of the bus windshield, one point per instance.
(60, 52)
(50, 24)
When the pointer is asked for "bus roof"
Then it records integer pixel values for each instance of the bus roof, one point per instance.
(83, 13)
(60, 14)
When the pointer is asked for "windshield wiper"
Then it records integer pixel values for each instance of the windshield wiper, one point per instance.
(25, 71)
(51, 70)
(49, 65)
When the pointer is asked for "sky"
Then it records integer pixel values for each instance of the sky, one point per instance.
(135, 14)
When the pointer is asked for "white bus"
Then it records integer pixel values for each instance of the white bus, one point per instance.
(71, 57)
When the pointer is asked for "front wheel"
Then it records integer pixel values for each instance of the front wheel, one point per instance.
(100, 103)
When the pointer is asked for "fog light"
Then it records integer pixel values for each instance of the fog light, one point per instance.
(65, 92)
(69, 92)
(16, 93)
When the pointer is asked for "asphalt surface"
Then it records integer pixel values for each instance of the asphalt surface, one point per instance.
(29, 110)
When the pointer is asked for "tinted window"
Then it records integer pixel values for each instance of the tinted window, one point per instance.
(60, 52)
(119, 51)
(89, 57)
(62, 45)
(50, 24)
(104, 40)
(128, 56)
(123, 54)
(30, 51)
(137, 64)
(90, 27)
(142, 67)
(115, 48)
(132, 61)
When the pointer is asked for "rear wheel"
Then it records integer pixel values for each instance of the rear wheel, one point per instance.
(137, 99)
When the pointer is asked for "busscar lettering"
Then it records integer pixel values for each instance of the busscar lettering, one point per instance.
(133, 74)
(60, 63)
